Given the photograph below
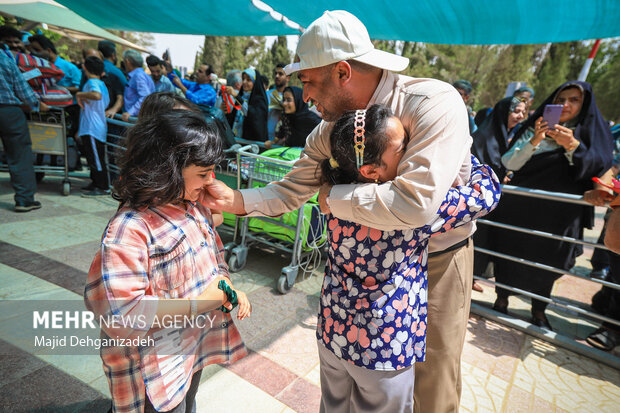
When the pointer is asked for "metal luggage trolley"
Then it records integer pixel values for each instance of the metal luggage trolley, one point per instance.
(261, 169)
(48, 136)
(226, 171)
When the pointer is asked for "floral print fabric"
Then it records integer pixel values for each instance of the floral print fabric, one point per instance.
(373, 307)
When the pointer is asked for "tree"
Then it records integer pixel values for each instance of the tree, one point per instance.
(213, 53)
(562, 63)
(278, 53)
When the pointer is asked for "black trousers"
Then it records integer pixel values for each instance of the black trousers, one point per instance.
(95, 154)
(18, 148)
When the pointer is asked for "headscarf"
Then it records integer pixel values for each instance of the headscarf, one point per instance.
(252, 73)
(297, 126)
(594, 155)
(490, 139)
(255, 122)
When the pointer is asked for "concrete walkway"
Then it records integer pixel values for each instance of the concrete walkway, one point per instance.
(45, 254)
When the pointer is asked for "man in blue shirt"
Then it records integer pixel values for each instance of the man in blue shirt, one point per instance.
(42, 46)
(140, 84)
(156, 67)
(108, 50)
(200, 92)
(15, 93)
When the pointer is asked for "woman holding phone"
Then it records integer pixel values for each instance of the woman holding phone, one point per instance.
(561, 158)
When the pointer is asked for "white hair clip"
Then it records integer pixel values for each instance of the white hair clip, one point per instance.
(359, 138)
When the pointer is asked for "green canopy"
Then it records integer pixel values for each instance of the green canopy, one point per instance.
(216, 18)
(471, 21)
(60, 19)
(433, 21)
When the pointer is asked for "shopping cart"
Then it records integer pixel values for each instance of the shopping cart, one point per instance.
(300, 233)
(49, 137)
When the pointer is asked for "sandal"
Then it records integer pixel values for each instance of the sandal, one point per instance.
(604, 339)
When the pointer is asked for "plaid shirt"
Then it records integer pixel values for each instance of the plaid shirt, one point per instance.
(14, 90)
(170, 251)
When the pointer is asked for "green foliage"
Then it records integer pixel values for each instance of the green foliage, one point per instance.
(605, 79)
(213, 53)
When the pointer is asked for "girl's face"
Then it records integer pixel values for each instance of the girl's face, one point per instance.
(396, 147)
(196, 177)
(247, 84)
(572, 100)
(288, 102)
(516, 116)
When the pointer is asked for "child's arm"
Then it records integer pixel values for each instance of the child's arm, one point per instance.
(80, 97)
(245, 308)
(91, 95)
(465, 203)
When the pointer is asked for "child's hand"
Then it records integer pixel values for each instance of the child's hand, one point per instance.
(245, 308)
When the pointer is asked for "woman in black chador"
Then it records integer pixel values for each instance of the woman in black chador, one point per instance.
(558, 158)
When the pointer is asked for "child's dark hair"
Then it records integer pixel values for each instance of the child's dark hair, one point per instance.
(94, 65)
(161, 102)
(157, 151)
(343, 150)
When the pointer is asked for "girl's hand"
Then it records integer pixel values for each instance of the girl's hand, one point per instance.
(563, 136)
(540, 130)
(245, 308)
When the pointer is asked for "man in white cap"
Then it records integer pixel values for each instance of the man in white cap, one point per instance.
(341, 70)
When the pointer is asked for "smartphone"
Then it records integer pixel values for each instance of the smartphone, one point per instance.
(552, 115)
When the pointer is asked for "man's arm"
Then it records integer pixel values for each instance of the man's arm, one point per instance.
(437, 152)
(203, 96)
(21, 88)
(612, 233)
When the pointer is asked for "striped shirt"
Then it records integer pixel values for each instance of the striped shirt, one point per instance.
(171, 251)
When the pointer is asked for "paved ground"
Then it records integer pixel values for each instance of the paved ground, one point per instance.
(45, 254)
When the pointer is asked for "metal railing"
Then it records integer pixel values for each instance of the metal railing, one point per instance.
(582, 312)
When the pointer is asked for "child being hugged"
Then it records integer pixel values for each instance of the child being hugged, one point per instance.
(372, 318)
(161, 263)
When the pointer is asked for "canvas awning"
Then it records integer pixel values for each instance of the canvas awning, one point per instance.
(215, 18)
(60, 19)
(433, 21)
(471, 21)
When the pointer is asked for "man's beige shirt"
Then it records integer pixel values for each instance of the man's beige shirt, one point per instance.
(437, 157)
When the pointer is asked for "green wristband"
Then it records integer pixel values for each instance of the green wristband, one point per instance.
(231, 295)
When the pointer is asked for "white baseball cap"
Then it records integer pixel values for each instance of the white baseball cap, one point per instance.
(338, 35)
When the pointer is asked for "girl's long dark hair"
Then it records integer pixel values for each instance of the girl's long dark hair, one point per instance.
(158, 149)
(341, 143)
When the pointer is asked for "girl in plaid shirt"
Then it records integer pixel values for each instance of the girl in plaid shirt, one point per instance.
(160, 273)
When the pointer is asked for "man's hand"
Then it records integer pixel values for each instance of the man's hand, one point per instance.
(323, 194)
(43, 107)
(597, 197)
(125, 117)
(177, 81)
(217, 195)
(110, 113)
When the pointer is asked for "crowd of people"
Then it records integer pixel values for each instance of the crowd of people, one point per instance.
(403, 168)
(252, 110)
